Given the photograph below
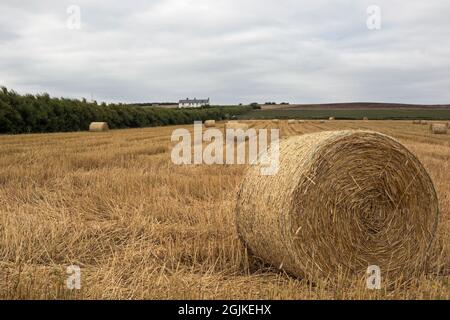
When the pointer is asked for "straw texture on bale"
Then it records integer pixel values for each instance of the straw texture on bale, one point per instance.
(292, 121)
(210, 123)
(98, 126)
(341, 201)
(438, 128)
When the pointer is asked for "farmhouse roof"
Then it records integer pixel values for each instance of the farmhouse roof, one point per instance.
(195, 100)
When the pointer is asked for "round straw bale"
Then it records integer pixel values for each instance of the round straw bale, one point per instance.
(416, 121)
(275, 120)
(292, 121)
(331, 118)
(236, 125)
(341, 201)
(322, 121)
(301, 121)
(366, 119)
(98, 126)
(210, 123)
(423, 122)
(438, 128)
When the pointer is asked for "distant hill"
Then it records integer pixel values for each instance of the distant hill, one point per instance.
(354, 106)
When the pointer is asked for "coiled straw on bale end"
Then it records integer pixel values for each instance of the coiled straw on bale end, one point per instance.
(210, 123)
(438, 128)
(341, 201)
(98, 126)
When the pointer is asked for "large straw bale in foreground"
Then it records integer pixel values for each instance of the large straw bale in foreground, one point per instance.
(438, 128)
(98, 126)
(210, 123)
(341, 201)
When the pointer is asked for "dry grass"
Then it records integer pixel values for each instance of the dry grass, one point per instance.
(141, 227)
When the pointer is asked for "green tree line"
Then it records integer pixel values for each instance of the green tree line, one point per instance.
(42, 113)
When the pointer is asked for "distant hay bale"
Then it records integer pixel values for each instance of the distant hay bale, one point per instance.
(275, 120)
(423, 122)
(329, 209)
(331, 118)
(301, 121)
(210, 123)
(438, 128)
(322, 121)
(366, 119)
(292, 121)
(98, 126)
(416, 121)
(236, 125)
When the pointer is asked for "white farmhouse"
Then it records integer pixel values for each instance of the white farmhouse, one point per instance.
(193, 103)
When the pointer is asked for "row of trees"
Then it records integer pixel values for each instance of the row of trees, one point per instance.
(41, 113)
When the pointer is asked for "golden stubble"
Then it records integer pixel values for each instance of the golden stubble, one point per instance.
(141, 227)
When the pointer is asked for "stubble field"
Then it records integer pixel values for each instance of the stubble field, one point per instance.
(141, 227)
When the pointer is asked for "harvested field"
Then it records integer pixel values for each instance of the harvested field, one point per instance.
(141, 227)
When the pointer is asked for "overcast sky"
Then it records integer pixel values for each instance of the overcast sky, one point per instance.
(229, 50)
